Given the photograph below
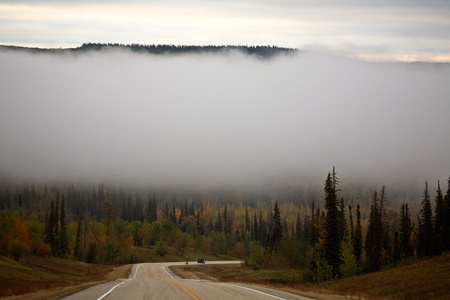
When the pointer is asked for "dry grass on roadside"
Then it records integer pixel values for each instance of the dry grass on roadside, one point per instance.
(41, 278)
(425, 279)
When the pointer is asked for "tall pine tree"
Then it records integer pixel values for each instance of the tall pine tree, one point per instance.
(255, 227)
(405, 246)
(247, 220)
(357, 238)
(440, 218)
(333, 224)
(63, 238)
(343, 230)
(426, 224)
(77, 250)
(350, 222)
(446, 228)
(374, 237)
(276, 232)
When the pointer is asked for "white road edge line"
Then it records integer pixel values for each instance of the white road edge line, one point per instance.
(253, 290)
(164, 267)
(135, 272)
(112, 289)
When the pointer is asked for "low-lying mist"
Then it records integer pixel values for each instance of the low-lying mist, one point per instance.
(220, 119)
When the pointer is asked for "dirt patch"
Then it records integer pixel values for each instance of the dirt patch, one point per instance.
(119, 272)
(194, 272)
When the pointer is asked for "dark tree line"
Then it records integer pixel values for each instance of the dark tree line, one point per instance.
(260, 51)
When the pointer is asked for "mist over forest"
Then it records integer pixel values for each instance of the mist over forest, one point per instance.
(286, 160)
(220, 119)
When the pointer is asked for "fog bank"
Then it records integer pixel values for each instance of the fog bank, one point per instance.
(213, 119)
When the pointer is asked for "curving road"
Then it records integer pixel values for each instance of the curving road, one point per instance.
(156, 281)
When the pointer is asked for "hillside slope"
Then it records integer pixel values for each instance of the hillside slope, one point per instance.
(425, 279)
(34, 274)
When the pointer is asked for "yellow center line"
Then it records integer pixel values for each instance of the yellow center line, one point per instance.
(185, 290)
(151, 270)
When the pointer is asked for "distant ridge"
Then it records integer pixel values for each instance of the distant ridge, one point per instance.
(260, 51)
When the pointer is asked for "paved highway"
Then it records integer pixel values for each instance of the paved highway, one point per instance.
(156, 281)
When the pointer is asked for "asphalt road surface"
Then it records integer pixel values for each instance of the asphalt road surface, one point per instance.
(156, 281)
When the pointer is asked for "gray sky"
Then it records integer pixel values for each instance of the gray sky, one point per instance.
(222, 118)
(397, 30)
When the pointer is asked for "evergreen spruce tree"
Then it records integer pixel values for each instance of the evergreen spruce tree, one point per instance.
(383, 208)
(77, 250)
(374, 237)
(313, 228)
(226, 222)
(255, 228)
(63, 238)
(386, 256)
(333, 224)
(262, 232)
(439, 221)
(307, 230)
(343, 228)
(350, 222)
(357, 238)
(55, 228)
(405, 246)
(49, 233)
(247, 220)
(426, 225)
(173, 215)
(446, 227)
(276, 232)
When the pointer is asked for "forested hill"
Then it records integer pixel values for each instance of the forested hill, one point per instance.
(260, 51)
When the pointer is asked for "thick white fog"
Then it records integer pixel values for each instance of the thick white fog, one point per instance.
(224, 118)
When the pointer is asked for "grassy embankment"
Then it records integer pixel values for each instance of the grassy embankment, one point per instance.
(425, 279)
(50, 276)
(42, 278)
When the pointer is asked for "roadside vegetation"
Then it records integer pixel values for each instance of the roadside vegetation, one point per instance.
(422, 279)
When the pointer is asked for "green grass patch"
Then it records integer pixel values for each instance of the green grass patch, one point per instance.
(273, 276)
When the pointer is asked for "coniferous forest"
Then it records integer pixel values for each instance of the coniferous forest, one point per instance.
(331, 229)
(258, 51)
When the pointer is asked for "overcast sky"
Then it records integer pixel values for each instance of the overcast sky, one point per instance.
(408, 30)
(221, 118)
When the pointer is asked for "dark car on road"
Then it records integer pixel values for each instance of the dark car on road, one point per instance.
(201, 261)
